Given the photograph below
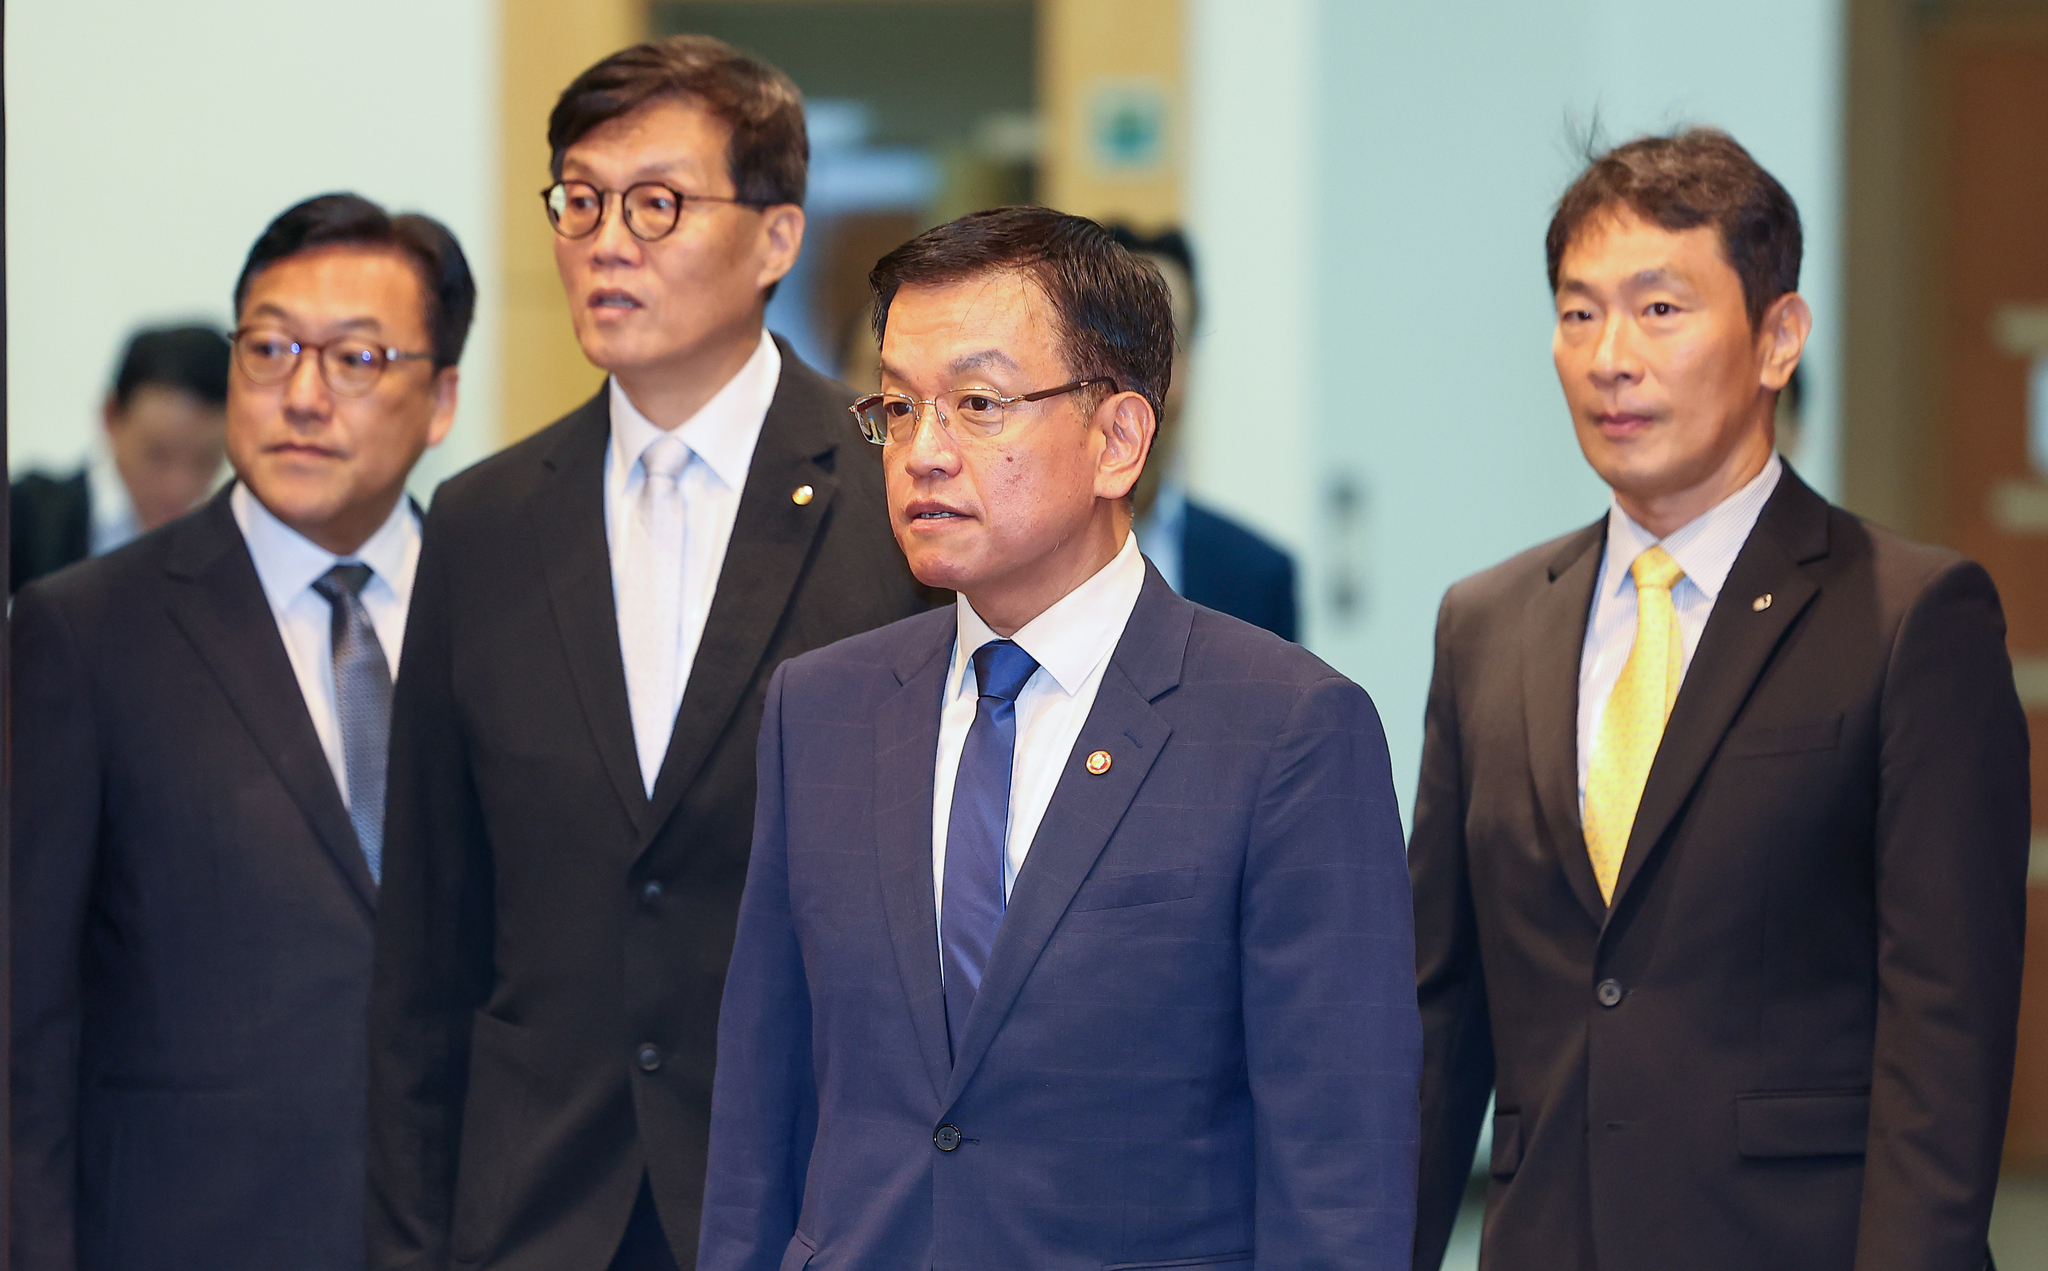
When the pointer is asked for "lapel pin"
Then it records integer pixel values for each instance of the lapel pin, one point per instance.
(1098, 763)
(802, 494)
(1761, 603)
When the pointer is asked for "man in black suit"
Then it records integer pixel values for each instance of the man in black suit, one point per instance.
(165, 427)
(1203, 554)
(1721, 843)
(600, 609)
(199, 785)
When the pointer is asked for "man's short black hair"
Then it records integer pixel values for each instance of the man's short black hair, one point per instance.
(1171, 244)
(1701, 176)
(349, 220)
(769, 154)
(191, 359)
(1112, 308)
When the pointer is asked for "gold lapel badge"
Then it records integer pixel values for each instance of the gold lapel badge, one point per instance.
(1761, 603)
(802, 494)
(1098, 763)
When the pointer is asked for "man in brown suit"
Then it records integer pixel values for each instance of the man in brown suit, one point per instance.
(1721, 842)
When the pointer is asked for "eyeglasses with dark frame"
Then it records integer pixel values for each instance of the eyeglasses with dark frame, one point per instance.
(887, 418)
(351, 365)
(652, 210)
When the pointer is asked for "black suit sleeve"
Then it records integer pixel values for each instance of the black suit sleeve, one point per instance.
(434, 932)
(1951, 861)
(1457, 1072)
(56, 823)
(764, 1110)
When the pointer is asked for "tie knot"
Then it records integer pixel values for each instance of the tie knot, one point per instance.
(1655, 569)
(665, 458)
(346, 579)
(1001, 668)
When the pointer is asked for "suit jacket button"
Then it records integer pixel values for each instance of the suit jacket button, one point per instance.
(650, 891)
(649, 1056)
(1609, 992)
(946, 1138)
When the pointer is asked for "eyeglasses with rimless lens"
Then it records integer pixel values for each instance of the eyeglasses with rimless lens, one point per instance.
(651, 209)
(351, 365)
(891, 418)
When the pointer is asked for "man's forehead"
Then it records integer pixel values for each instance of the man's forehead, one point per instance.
(671, 137)
(986, 323)
(346, 286)
(1621, 248)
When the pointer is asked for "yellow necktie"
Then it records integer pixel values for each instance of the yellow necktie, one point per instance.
(1633, 722)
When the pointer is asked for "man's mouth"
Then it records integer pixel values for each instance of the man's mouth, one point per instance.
(613, 300)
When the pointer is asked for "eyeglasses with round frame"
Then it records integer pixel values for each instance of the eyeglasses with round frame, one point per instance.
(350, 366)
(887, 418)
(652, 210)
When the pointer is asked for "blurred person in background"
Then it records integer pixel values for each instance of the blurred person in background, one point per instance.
(199, 788)
(1203, 554)
(165, 434)
(1720, 849)
(600, 609)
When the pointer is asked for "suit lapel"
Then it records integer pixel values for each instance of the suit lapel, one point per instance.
(568, 522)
(1733, 650)
(222, 610)
(1553, 637)
(1085, 809)
(903, 837)
(771, 540)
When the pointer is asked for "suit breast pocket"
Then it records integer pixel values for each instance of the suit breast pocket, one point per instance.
(1802, 1123)
(1127, 891)
(1784, 739)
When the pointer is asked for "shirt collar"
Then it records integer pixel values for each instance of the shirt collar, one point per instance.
(1070, 639)
(107, 499)
(287, 562)
(723, 431)
(1704, 547)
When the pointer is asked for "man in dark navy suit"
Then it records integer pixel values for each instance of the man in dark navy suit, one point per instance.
(201, 719)
(1074, 933)
(1204, 555)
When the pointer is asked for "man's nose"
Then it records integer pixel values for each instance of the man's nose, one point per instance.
(930, 448)
(307, 398)
(1614, 356)
(612, 242)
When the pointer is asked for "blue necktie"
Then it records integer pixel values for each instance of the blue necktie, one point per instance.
(975, 835)
(362, 704)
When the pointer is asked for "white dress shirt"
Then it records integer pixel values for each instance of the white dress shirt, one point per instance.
(1704, 547)
(721, 438)
(1071, 642)
(107, 500)
(288, 564)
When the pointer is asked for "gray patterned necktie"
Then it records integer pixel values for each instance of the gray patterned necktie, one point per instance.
(362, 704)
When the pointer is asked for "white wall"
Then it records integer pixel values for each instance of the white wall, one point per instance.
(1398, 164)
(149, 143)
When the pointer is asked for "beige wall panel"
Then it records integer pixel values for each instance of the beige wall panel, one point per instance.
(1099, 59)
(545, 44)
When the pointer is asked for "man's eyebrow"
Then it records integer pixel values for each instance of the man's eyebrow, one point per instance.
(982, 359)
(1659, 276)
(269, 310)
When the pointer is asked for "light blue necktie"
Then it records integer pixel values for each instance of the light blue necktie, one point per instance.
(362, 704)
(979, 825)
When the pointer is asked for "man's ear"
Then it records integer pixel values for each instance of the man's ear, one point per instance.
(782, 237)
(1127, 424)
(110, 413)
(445, 382)
(1782, 335)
